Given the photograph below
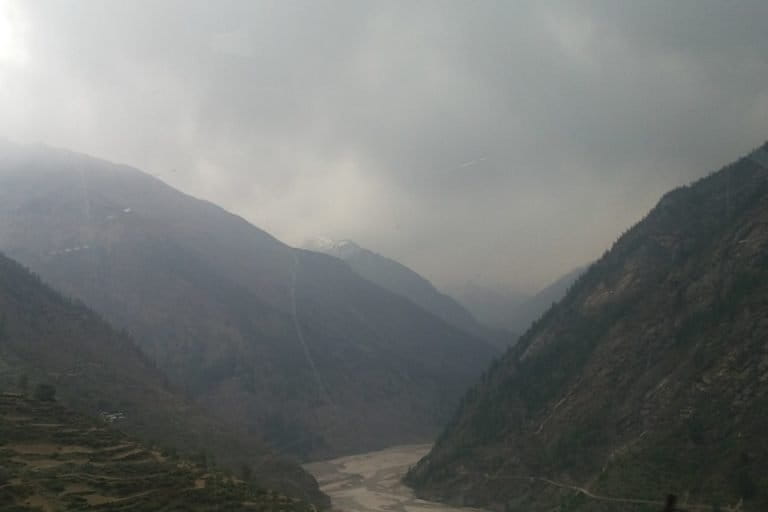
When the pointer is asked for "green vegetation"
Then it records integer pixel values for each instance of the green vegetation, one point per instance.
(54, 459)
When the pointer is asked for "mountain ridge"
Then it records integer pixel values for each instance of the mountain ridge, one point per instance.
(652, 366)
(392, 275)
(511, 310)
(219, 304)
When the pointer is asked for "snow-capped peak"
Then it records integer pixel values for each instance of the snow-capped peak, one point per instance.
(330, 246)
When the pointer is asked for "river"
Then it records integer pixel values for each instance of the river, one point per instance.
(370, 482)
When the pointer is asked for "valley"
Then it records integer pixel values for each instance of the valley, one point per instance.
(288, 344)
(653, 365)
(343, 256)
(371, 482)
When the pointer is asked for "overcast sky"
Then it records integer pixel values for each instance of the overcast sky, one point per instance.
(487, 142)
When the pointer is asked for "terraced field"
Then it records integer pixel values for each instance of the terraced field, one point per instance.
(52, 459)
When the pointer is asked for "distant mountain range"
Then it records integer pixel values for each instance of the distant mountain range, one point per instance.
(650, 377)
(397, 278)
(512, 310)
(291, 345)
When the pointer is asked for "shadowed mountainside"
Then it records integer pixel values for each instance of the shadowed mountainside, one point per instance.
(651, 376)
(292, 345)
(510, 310)
(45, 338)
(397, 278)
(532, 308)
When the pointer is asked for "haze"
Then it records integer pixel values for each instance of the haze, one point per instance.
(484, 142)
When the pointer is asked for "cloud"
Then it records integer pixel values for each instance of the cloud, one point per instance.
(500, 141)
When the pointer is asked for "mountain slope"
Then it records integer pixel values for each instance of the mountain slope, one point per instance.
(650, 377)
(52, 458)
(532, 308)
(514, 311)
(45, 338)
(290, 344)
(397, 278)
(495, 307)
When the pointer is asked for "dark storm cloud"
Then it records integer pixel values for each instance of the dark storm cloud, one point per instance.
(489, 141)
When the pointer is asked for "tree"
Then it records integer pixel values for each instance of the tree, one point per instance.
(45, 393)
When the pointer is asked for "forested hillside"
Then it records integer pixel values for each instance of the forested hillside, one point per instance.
(650, 377)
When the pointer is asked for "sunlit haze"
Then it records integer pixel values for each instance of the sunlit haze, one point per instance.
(478, 142)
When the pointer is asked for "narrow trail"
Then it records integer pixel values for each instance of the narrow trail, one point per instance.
(598, 497)
(633, 501)
(300, 334)
(552, 413)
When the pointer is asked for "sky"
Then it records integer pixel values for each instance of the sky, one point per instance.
(488, 143)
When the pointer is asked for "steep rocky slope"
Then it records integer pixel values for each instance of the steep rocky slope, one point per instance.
(650, 377)
(52, 458)
(531, 309)
(290, 344)
(397, 278)
(45, 338)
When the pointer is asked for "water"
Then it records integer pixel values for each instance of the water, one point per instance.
(370, 482)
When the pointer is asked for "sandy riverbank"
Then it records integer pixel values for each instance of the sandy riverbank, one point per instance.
(370, 482)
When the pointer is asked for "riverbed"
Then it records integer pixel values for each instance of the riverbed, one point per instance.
(370, 482)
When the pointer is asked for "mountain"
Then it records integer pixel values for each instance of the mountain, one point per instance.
(52, 458)
(47, 339)
(289, 344)
(650, 377)
(493, 306)
(397, 278)
(533, 307)
(508, 309)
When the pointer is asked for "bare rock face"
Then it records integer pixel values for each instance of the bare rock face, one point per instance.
(650, 377)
